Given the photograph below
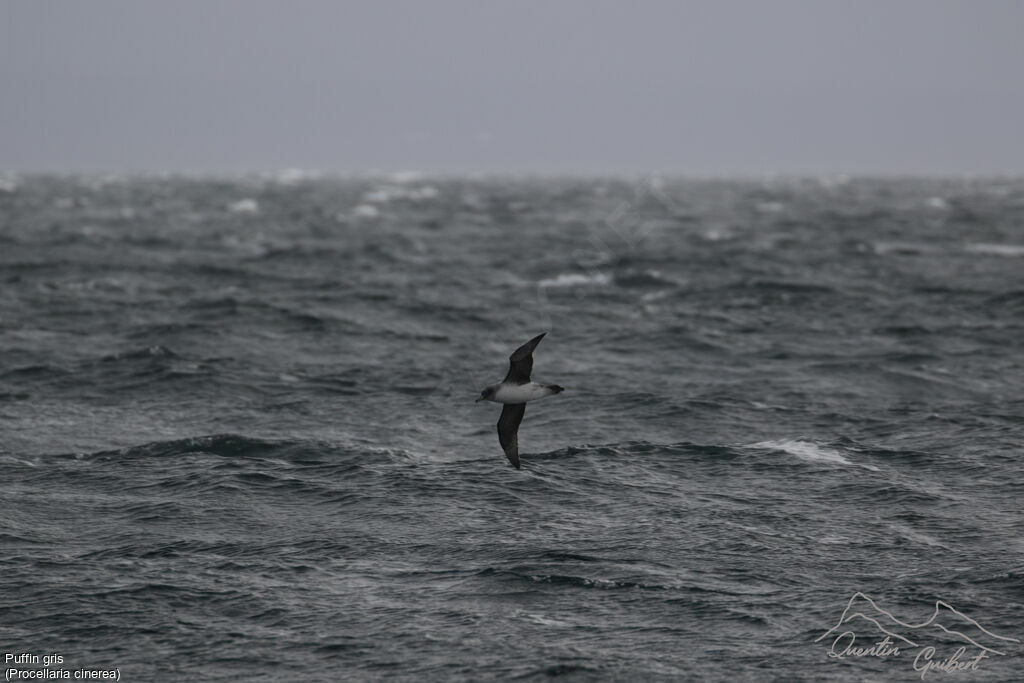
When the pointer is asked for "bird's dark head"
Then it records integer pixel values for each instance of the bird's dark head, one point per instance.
(488, 393)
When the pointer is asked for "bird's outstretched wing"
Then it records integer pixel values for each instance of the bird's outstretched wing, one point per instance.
(508, 430)
(520, 363)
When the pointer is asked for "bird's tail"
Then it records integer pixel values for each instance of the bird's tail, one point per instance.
(555, 389)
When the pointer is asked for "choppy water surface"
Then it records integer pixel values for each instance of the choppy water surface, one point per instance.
(239, 438)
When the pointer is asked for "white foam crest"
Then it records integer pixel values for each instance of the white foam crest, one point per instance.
(365, 211)
(915, 536)
(19, 461)
(244, 206)
(990, 249)
(810, 452)
(7, 185)
(717, 234)
(576, 279)
(542, 620)
(388, 193)
(419, 194)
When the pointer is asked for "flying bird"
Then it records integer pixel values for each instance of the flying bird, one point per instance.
(514, 391)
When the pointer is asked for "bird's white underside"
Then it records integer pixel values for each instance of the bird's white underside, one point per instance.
(520, 393)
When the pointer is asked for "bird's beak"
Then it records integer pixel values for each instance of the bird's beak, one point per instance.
(478, 400)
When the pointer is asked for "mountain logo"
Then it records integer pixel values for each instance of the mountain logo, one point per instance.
(891, 636)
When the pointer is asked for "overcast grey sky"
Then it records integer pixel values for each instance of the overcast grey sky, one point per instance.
(862, 86)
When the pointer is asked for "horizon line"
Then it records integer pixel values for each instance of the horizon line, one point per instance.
(410, 174)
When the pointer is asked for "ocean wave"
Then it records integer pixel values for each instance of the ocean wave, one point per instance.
(534, 575)
(577, 280)
(250, 448)
(630, 278)
(991, 249)
(809, 451)
(280, 403)
(785, 286)
(247, 206)
(644, 279)
(35, 372)
(391, 193)
(155, 351)
(361, 211)
(904, 248)
(224, 445)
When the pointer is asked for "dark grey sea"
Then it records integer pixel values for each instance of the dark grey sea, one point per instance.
(238, 437)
